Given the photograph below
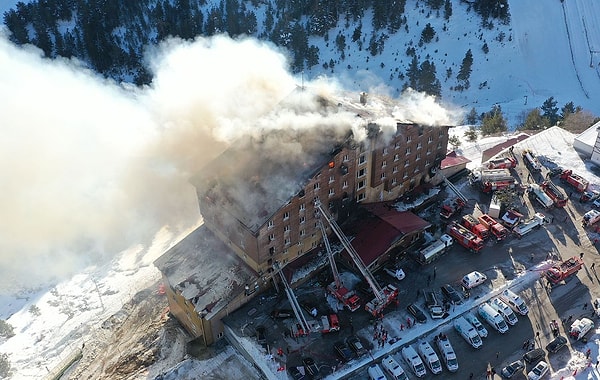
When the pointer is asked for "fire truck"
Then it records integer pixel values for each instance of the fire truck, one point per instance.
(497, 229)
(494, 179)
(558, 197)
(511, 218)
(502, 163)
(348, 298)
(529, 225)
(562, 271)
(531, 161)
(451, 207)
(579, 183)
(536, 192)
(475, 227)
(383, 295)
(465, 237)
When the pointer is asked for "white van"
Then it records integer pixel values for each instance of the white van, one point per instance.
(514, 301)
(492, 317)
(391, 366)
(375, 372)
(505, 311)
(580, 327)
(447, 351)
(467, 331)
(481, 330)
(473, 279)
(414, 361)
(430, 358)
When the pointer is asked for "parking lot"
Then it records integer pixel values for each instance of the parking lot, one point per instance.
(518, 262)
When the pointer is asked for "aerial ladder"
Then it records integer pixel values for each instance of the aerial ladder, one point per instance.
(383, 296)
(303, 327)
(348, 297)
(455, 190)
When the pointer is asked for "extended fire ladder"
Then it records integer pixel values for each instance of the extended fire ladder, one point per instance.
(455, 190)
(383, 296)
(303, 327)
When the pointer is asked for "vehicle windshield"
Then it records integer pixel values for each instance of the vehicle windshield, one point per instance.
(477, 339)
(452, 362)
(537, 370)
(502, 325)
(435, 364)
(420, 367)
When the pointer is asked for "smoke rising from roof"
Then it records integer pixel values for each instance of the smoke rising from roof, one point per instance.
(90, 167)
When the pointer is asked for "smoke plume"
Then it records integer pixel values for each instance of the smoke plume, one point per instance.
(90, 167)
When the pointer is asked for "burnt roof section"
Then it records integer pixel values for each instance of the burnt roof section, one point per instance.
(205, 271)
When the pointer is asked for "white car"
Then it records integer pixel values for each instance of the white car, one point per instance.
(473, 279)
(398, 274)
(538, 371)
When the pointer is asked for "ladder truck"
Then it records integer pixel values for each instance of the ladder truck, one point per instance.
(538, 193)
(558, 197)
(531, 161)
(348, 298)
(465, 237)
(497, 229)
(579, 183)
(502, 163)
(383, 296)
(303, 327)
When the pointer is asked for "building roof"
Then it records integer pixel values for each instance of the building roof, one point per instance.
(491, 152)
(205, 271)
(453, 159)
(585, 141)
(382, 229)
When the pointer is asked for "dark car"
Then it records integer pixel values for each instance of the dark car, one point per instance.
(356, 345)
(416, 312)
(451, 294)
(343, 351)
(261, 335)
(295, 373)
(282, 314)
(513, 368)
(534, 355)
(310, 366)
(555, 345)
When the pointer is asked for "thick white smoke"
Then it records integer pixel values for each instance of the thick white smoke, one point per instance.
(89, 167)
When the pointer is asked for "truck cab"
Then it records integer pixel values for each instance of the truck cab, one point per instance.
(505, 311)
(492, 317)
(468, 332)
(514, 302)
(414, 361)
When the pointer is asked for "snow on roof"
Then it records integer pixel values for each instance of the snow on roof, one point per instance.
(585, 141)
(493, 151)
(205, 271)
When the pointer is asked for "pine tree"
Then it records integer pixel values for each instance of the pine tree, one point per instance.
(472, 117)
(550, 110)
(465, 67)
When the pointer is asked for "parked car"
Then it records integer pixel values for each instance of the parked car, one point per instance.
(282, 314)
(538, 371)
(513, 368)
(451, 294)
(473, 279)
(417, 313)
(295, 373)
(356, 345)
(310, 366)
(261, 335)
(534, 355)
(343, 351)
(556, 344)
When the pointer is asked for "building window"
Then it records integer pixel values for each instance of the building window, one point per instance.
(406, 163)
(394, 181)
(405, 175)
(302, 219)
(345, 184)
(286, 229)
(439, 145)
(331, 192)
(396, 157)
(302, 207)
(408, 139)
(361, 185)
(302, 233)
(361, 196)
(419, 145)
(416, 170)
(407, 151)
(395, 170)
(384, 164)
(270, 224)
(382, 175)
(397, 145)
(316, 186)
(286, 215)
(285, 252)
(418, 156)
(427, 163)
(428, 150)
(300, 244)
(331, 179)
(362, 172)
(362, 159)
(271, 237)
(385, 151)
(288, 241)
(345, 158)
(429, 140)
(441, 134)
(314, 244)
